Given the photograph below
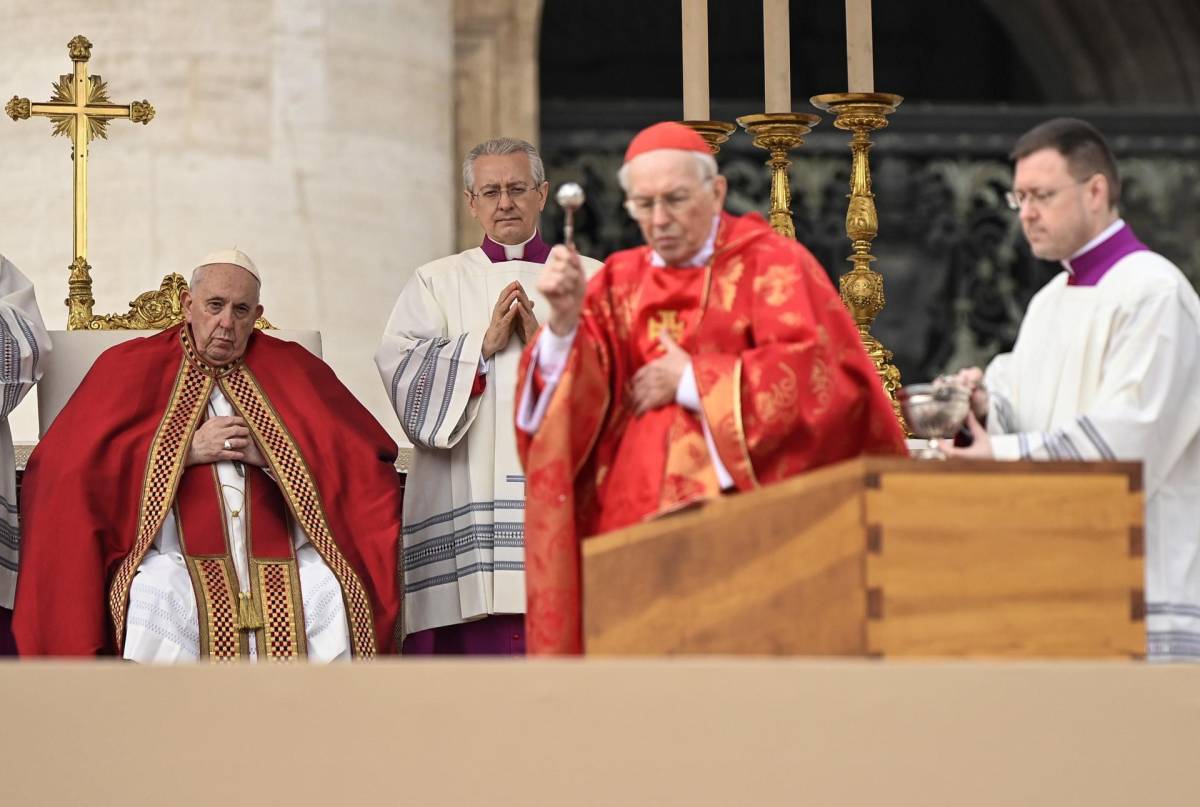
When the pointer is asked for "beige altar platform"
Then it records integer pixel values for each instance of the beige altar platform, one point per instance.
(602, 732)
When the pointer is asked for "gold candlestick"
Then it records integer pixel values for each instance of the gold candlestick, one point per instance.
(779, 133)
(862, 288)
(714, 132)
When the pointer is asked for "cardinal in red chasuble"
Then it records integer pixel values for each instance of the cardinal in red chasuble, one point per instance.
(716, 358)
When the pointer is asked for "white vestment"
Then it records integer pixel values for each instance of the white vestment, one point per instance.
(464, 498)
(24, 344)
(1112, 372)
(163, 624)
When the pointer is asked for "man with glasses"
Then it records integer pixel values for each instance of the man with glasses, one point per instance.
(716, 358)
(1106, 365)
(449, 363)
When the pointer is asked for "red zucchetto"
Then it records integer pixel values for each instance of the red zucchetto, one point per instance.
(667, 135)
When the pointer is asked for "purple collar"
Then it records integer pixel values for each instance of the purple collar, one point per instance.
(1088, 268)
(536, 250)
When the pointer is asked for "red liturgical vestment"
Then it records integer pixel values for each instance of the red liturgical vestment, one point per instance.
(785, 386)
(102, 480)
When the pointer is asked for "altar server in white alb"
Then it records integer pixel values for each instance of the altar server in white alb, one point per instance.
(24, 345)
(1106, 365)
(449, 362)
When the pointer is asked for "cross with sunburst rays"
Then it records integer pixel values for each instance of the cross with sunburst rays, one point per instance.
(80, 109)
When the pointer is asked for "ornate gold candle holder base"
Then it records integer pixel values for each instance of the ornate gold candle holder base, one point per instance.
(714, 132)
(779, 133)
(862, 287)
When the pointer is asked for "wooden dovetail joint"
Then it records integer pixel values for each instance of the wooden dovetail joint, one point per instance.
(1137, 605)
(875, 539)
(1137, 542)
(875, 603)
(1135, 481)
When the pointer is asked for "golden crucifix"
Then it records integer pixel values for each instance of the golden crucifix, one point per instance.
(80, 109)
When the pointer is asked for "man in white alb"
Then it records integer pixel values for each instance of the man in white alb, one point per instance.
(449, 363)
(1106, 365)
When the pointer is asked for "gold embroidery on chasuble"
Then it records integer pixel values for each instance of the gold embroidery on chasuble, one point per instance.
(688, 474)
(271, 607)
(214, 579)
(276, 585)
(164, 466)
(665, 321)
(222, 639)
(777, 404)
(726, 284)
(300, 492)
(776, 285)
(739, 426)
(720, 398)
(620, 307)
(274, 606)
(726, 328)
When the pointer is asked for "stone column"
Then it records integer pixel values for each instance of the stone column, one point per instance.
(495, 82)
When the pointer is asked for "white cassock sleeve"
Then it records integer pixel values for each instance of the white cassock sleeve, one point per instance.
(24, 341)
(24, 344)
(428, 373)
(1151, 372)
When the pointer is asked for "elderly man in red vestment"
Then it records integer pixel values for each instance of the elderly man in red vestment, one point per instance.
(211, 493)
(718, 357)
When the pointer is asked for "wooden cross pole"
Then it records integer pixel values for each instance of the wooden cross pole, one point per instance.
(80, 109)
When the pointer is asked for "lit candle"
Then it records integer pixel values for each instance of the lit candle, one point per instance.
(860, 65)
(777, 60)
(695, 59)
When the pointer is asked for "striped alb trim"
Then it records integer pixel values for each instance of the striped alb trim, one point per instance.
(466, 571)
(1093, 434)
(462, 510)
(507, 535)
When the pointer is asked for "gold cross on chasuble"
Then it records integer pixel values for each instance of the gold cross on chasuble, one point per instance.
(665, 321)
(80, 109)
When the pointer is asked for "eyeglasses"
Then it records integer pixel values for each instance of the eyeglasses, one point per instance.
(642, 207)
(1037, 198)
(492, 195)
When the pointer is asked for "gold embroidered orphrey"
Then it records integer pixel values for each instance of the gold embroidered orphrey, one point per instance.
(164, 468)
(80, 109)
(272, 610)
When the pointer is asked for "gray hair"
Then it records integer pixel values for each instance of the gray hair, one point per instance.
(705, 164)
(498, 147)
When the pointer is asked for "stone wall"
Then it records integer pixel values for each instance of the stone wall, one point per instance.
(316, 135)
